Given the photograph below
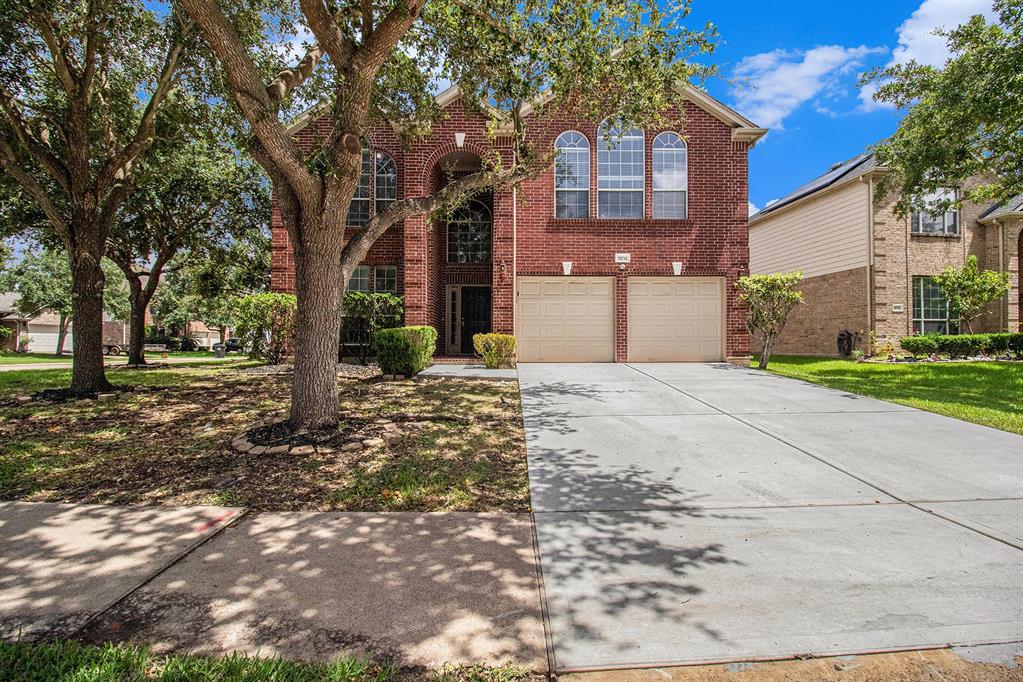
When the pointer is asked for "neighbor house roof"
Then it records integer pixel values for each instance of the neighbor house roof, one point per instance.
(839, 172)
(1012, 207)
(8, 311)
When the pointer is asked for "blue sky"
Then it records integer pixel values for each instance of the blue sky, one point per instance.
(802, 60)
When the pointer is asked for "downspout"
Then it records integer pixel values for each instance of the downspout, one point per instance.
(870, 257)
(1003, 307)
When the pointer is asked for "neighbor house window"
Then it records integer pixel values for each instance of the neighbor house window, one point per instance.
(385, 279)
(378, 187)
(942, 222)
(619, 172)
(359, 281)
(931, 313)
(572, 176)
(469, 231)
(671, 176)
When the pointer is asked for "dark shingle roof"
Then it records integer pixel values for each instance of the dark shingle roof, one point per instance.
(1013, 205)
(858, 165)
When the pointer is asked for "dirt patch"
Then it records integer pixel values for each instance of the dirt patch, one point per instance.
(459, 446)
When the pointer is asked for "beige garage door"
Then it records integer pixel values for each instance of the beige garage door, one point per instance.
(566, 319)
(675, 319)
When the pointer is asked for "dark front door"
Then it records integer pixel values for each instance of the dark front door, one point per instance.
(475, 315)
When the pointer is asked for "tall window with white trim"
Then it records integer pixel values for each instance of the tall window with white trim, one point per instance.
(386, 179)
(358, 210)
(671, 176)
(572, 175)
(619, 172)
(940, 222)
(377, 188)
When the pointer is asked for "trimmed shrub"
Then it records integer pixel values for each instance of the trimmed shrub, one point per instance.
(405, 350)
(364, 315)
(1016, 343)
(497, 350)
(919, 345)
(961, 345)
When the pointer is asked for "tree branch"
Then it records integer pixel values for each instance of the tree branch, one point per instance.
(375, 49)
(324, 26)
(9, 161)
(60, 58)
(39, 151)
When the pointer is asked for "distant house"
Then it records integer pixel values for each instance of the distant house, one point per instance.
(43, 329)
(867, 269)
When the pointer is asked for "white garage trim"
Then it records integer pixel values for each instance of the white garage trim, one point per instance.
(565, 319)
(676, 319)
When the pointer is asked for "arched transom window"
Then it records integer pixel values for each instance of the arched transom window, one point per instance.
(572, 176)
(469, 230)
(619, 172)
(378, 187)
(671, 176)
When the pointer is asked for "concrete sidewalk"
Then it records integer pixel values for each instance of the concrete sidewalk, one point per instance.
(420, 589)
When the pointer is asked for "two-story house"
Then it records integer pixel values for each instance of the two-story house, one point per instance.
(867, 269)
(620, 252)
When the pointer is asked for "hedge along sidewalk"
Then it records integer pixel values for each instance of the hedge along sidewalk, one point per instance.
(965, 345)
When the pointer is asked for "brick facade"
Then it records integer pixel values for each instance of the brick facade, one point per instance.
(832, 303)
(527, 238)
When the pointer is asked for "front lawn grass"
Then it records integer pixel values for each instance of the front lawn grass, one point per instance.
(120, 663)
(988, 393)
(10, 358)
(171, 444)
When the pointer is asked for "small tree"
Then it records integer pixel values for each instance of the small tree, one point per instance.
(969, 289)
(769, 299)
(268, 320)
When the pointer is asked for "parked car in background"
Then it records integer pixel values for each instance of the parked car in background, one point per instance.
(233, 345)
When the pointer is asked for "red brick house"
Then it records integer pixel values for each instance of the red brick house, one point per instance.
(628, 253)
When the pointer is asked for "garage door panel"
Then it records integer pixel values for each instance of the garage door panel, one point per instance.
(565, 319)
(675, 319)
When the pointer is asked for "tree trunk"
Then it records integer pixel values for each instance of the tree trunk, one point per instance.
(87, 373)
(765, 354)
(319, 286)
(223, 332)
(137, 330)
(61, 333)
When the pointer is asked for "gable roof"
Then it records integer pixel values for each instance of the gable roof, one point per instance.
(855, 167)
(1013, 206)
(743, 129)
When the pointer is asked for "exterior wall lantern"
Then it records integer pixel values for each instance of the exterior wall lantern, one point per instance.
(676, 268)
(566, 267)
(459, 140)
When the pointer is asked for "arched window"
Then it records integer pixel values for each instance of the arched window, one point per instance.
(378, 186)
(469, 231)
(386, 181)
(671, 176)
(572, 176)
(619, 172)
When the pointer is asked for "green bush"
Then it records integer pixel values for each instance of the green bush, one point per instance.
(405, 350)
(268, 322)
(960, 345)
(919, 345)
(1016, 343)
(497, 350)
(364, 315)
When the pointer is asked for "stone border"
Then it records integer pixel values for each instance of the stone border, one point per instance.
(242, 444)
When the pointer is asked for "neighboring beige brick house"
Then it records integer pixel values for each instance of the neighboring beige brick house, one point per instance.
(866, 269)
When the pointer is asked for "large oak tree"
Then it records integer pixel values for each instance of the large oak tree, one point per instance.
(82, 86)
(382, 60)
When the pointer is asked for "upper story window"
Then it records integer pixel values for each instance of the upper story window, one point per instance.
(378, 187)
(572, 176)
(946, 222)
(671, 176)
(619, 172)
(469, 230)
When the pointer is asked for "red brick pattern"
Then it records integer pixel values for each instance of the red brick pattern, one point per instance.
(711, 241)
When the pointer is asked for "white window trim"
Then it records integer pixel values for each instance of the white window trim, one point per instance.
(372, 199)
(589, 174)
(917, 217)
(642, 134)
(918, 283)
(447, 240)
(654, 190)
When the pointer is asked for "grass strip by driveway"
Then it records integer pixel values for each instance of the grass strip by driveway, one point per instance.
(9, 358)
(121, 663)
(987, 393)
(171, 445)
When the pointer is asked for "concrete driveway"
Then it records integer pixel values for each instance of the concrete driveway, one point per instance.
(704, 512)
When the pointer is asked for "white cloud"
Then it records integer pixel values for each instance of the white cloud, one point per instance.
(783, 80)
(918, 42)
(753, 210)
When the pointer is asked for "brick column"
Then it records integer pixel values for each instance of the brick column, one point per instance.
(621, 316)
(416, 272)
(503, 240)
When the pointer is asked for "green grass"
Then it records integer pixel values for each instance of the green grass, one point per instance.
(9, 358)
(73, 661)
(988, 393)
